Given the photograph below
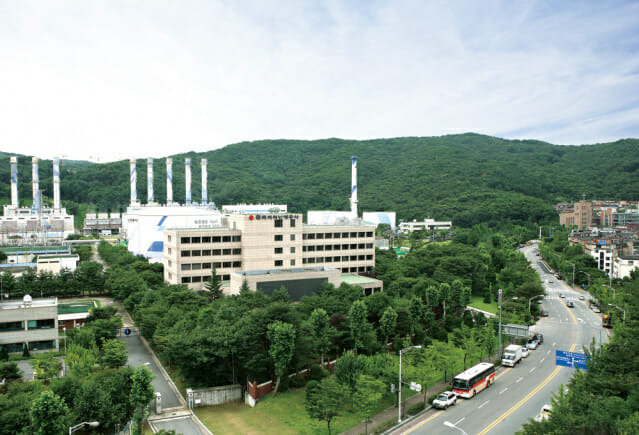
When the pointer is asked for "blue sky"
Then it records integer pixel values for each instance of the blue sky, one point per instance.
(112, 79)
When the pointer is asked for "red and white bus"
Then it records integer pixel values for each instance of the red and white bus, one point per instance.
(473, 380)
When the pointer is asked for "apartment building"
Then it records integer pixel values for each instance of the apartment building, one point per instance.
(30, 322)
(267, 243)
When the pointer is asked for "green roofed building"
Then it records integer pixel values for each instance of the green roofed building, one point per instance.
(370, 285)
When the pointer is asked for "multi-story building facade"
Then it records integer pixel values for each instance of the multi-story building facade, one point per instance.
(265, 242)
(580, 216)
(30, 322)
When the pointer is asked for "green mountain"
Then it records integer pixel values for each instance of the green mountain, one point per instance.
(468, 178)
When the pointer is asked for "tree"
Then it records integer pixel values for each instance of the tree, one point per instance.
(4, 354)
(358, 323)
(422, 367)
(324, 400)
(25, 350)
(45, 366)
(321, 331)
(141, 391)
(115, 354)
(281, 295)
(81, 360)
(48, 414)
(368, 394)
(282, 338)
(387, 324)
(10, 371)
(444, 295)
(244, 288)
(347, 370)
(415, 311)
(214, 286)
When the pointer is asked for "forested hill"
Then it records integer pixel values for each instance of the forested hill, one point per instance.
(468, 178)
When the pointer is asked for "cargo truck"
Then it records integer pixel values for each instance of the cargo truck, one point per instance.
(606, 321)
(512, 355)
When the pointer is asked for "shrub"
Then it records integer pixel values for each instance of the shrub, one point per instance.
(385, 426)
(284, 384)
(416, 408)
(317, 373)
(297, 381)
(25, 351)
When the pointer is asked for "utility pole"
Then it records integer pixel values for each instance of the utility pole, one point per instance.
(499, 303)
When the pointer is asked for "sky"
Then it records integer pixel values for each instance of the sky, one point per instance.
(110, 80)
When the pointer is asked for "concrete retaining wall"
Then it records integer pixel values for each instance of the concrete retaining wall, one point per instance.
(217, 395)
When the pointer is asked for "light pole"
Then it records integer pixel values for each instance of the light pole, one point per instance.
(583, 271)
(451, 425)
(530, 300)
(620, 309)
(573, 272)
(399, 397)
(611, 287)
(499, 302)
(81, 425)
(64, 328)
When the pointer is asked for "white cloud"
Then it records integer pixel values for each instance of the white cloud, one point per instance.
(119, 79)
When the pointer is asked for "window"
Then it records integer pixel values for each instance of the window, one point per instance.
(336, 259)
(236, 238)
(361, 257)
(369, 234)
(41, 345)
(278, 263)
(170, 251)
(328, 247)
(226, 277)
(361, 234)
(196, 279)
(328, 235)
(226, 251)
(320, 247)
(217, 252)
(353, 269)
(186, 266)
(279, 223)
(169, 238)
(369, 257)
(353, 246)
(361, 246)
(303, 260)
(196, 266)
(293, 223)
(304, 248)
(353, 257)
(310, 236)
(320, 235)
(237, 264)
(279, 237)
(310, 248)
(11, 326)
(237, 251)
(304, 236)
(336, 235)
(185, 240)
(345, 258)
(170, 263)
(279, 250)
(217, 265)
(226, 239)
(206, 239)
(292, 262)
(292, 249)
(311, 260)
(353, 234)
(185, 254)
(344, 269)
(196, 253)
(206, 265)
(226, 264)
(319, 259)
(369, 246)
(344, 235)
(328, 260)
(292, 237)
(206, 252)
(217, 239)
(195, 240)
(345, 247)
(186, 279)
(41, 324)
(336, 247)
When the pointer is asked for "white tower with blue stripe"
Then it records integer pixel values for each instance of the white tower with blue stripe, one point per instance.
(56, 186)
(169, 181)
(149, 180)
(354, 186)
(205, 196)
(187, 179)
(134, 180)
(14, 181)
(36, 183)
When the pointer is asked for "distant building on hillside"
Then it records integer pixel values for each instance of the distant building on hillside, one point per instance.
(428, 224)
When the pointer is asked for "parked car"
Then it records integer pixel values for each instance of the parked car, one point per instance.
(595, 309)
(444, 400)
(532, 343)
(544, 414)
(561, 295)
(524, 352)
(581, 297)
(570, 304)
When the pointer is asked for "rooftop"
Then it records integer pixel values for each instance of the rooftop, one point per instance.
(357, 279)
(35, 303)
(276, 271)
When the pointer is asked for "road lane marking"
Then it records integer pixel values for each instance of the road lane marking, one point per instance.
(423, 422)
(483, 404)
(503, 391)
(460, 420)
(519, 380)
(532, 370)
(504, 372)
(548, 353)
(542, 360)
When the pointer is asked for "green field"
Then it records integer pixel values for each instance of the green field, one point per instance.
(283, 414)
(478, 302)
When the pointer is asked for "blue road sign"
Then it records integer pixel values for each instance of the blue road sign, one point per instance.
(127, 331)
(570, 359)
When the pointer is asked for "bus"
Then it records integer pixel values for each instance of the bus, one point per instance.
(473, 380)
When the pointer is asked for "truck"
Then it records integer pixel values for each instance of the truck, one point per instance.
(512, 355)
(606, 321)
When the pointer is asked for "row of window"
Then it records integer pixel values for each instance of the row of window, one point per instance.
(32, 345)
(31, 324)
(345, 235)
(313, 260)
(280, 237)
(190, 279)
(209, 239)
(343, 247)
(217, 265)
(210, 252)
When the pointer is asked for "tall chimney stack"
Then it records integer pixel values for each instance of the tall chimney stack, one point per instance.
(169, 181)
(56, 185)
(354, 186)
(149, 180)
(205, 196)
(36, 183)
(14, 181)
(187, 178)
(134, 179)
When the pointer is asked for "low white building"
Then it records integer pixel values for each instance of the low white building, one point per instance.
(624, 265)
(56, 263)
(428, 224)
(30, 322)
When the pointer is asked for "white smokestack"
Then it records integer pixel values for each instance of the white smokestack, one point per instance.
(187, 177)
(149, 180)
(56, 185)
(354, 186)
(169, 181)
(14, 182)
(36, 183)
(134, 179)
(205, 195)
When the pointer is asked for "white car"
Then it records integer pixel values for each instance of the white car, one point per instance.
(444, 400)
(532, 344)
(524, 352)
(546, 410)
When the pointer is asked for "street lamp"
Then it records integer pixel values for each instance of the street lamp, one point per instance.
(530, 300)
(613, 289)
(81, 425)
(451, 425)
(619, 308)
(399, 397)
(583, 271)
(64, 328)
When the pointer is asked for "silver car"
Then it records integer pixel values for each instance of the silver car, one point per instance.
(444, 400)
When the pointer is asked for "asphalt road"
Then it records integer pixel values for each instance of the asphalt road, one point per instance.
(519, 392)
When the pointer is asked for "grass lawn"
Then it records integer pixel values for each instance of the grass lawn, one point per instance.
(478, 302)
(75, 307)
(284, 414)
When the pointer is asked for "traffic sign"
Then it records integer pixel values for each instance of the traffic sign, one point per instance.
(127, 331)
(570, 359)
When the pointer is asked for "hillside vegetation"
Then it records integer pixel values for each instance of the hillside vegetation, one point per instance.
(468, 178)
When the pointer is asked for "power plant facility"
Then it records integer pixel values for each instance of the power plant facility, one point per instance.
(38, 224)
